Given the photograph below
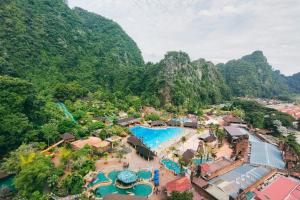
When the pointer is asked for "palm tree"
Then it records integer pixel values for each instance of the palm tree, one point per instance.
(182, 163)
(120, 155)
(183, 140)
(200, 154)
(173, 150)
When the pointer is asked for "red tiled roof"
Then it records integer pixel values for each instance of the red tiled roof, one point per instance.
(282, 188)
(179, 185)
(204, 167)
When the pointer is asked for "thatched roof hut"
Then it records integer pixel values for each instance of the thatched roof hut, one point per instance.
(145, 152)
(188, 155)
(158, 123)
(134, 141)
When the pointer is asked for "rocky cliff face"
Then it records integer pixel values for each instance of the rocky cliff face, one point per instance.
(181, 81)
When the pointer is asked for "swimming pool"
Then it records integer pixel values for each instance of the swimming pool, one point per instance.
(101, 178)
(154, 137)
(144, 174)
(140, 189)
(171, 165)
(8, 183)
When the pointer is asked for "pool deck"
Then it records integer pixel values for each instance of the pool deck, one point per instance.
(187, 132)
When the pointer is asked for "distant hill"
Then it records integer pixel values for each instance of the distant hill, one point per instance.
(252, 75)
(178, 80)
(46, 42)
(294, 83)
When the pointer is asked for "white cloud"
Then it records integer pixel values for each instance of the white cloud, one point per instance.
(217, 30)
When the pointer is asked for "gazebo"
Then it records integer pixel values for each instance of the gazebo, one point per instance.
(126, 179)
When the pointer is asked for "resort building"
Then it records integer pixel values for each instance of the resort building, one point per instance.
(191, 121)
(158, 123)
(281, 187)
(113, 139)
(93, 142)
(209, 138)
(179, 185)
(145, 152)
(234, 133)
(230, 119)
(221, 166)
(128, 121)
(237, 182)
(188, 155)
(134, 141)
(67, 137)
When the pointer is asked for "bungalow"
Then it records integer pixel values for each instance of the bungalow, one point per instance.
(230, 119)
(158, 123)
(67, 137)
(235, 133)
(128, 121)
(134, 141)
(93, 142)
(179, 185)
(113, 139)
(209, 138)
(145, 152)
(188, 155)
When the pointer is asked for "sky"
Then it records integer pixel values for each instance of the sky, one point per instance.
(217, 30)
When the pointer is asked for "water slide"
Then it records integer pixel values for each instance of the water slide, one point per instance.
(66, 111)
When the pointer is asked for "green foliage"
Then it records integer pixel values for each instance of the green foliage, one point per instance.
(253, 76)
(260, 116)
(21, 110)
(152, 117)
(181, 82)
(48, 43)
(291, 140)
(69, 91)
(73, 183)
(294, 83)
(180, 196)
(33, 177)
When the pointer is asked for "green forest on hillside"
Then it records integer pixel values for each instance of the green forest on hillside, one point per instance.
(51, 55)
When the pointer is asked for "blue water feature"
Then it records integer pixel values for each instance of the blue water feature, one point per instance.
(7, 183)
(66, 111)
(140, 189)
(171, 165)
(101, 178)
(154, 137)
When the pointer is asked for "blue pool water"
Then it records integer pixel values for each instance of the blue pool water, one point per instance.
(154, 137)
(101, 178)
(140, 189)
(171, 165)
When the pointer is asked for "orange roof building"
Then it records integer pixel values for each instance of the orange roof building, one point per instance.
(179, 185)
(282, 188)
(94, 142)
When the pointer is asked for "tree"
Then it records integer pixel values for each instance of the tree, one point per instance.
(105, 155)
(120, 154)
(33, 177)
(73, 183)
(187, 195)
(19, 158)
